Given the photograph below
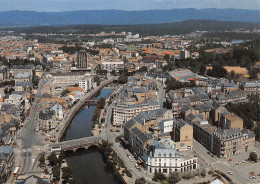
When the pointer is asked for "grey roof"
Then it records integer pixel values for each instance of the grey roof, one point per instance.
(24, 84)
(23, 67)
(141, 135)
(46, 114)
(33, 179)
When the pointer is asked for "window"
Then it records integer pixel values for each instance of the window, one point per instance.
(164, 164)
(164, 170)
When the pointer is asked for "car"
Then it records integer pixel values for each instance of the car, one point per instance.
(131, 160)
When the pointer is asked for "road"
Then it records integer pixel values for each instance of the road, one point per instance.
(28, 137)
(216, 163)
(161, 95)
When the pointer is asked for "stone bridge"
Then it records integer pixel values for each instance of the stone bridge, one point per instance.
(75, 144)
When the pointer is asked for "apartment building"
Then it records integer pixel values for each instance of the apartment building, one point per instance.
(112, 65)
(123, 112)
(182, 132)
(87, 83)
(251, 87)
(67, 79)
(167, 160)
(232, 142)
(4, 73)
(6, 162)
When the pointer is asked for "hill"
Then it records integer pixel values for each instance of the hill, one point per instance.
(181, 27)
(120, 17)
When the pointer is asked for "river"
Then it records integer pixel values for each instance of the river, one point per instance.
(88, 167)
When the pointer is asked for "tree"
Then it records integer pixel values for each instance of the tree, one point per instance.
(253, 156)
(141, 180)
(143, 69)
(97, 80)
(61, 156)
(56, 172)
(64, 92)
(158, 176)
(53, 159)
(76, 85)
(202, 69)
(253, 73)
(66, 173)
(217, 71)
(6, 90)
(166, 56)
(113, 72)
(42, 159)
(173, 178)
(122, 79)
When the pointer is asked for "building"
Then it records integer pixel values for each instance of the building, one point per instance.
(124, 112)
(182, 132)
(112, 65)
(6, 162)
(67, 79)
(47, 120)
(4, 73)
(87, 83)
(82, 60)
(203, 133)
(167, 160)
(184, 54)
(251, 87)
(232, 142)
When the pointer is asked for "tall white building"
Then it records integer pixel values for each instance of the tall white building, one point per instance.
(112, 65)
(124, 112)
(87, 83)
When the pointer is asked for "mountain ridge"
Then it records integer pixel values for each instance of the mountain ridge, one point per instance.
(122, 17)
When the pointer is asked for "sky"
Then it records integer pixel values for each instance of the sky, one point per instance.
(70, 5)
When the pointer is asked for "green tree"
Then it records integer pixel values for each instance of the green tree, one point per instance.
(66, 173)
(56, 172)
(97, 80)
(53, 159)
(42, 159)
(202, 69)
(141, 180)
(173, 178)
(158, 176)
(143, 69)
(122, 79)
(64, 92)
(253, 156)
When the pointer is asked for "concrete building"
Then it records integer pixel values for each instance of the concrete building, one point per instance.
(112, 65)
(6, 162)
(232, 142)
(124, 112)
(251, 87)
(87, 83)
(82, 60)
(165, 159)
(67, 79)
(183, 133)
(4, 73)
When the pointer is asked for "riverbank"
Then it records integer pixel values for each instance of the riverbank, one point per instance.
(88, 166)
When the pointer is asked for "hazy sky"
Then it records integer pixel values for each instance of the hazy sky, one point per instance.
(68, 5)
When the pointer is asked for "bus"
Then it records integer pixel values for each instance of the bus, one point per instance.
(15, 173)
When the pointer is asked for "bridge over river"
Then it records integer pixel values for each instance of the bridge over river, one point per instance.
(75, 144)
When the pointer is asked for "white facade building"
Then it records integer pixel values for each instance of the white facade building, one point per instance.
(87, 83)
(167, 160)
(112, 65)
(124, 112)
(166, 126)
